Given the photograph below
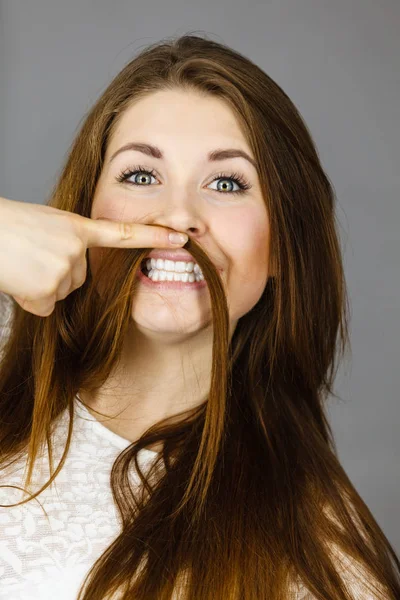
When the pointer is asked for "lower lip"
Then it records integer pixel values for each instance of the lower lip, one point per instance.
(170, 285)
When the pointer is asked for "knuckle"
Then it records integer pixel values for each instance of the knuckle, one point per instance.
(75, 233)
(77, 248)
(63, 270)
(43, 288)
(47, 312)
(47, 291)
(126, 230)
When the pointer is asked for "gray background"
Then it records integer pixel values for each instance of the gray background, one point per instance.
(339, 62)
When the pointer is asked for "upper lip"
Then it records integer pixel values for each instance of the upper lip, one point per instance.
(172, 255)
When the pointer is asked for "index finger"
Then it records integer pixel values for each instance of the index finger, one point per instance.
(121, 234)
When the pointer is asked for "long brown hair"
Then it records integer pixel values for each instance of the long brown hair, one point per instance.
(248, 495)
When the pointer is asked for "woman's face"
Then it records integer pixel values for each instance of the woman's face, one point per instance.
(186, 192)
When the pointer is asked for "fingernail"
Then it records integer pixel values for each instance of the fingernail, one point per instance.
(178, 238)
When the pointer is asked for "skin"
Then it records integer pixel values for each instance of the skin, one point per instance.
(173, 330)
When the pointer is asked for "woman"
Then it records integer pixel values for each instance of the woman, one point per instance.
(225, 481)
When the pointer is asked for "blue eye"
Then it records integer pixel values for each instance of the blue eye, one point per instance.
(238, 179)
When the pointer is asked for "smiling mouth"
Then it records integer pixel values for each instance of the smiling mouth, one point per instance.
(145, 270)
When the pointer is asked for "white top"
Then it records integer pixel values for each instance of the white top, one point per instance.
(48, 558)
(44, 558)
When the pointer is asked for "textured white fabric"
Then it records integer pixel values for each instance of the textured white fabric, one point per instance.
(44, 558)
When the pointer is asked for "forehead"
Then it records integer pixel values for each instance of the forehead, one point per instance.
(170, 117)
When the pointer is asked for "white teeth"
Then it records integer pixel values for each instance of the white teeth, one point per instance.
(161, 275)
(172, 266)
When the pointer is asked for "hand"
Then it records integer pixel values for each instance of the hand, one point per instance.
(43, 250)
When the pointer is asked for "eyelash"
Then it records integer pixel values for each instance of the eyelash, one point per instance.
(236, 177)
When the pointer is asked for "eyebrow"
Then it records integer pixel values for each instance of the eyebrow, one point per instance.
(215, 155)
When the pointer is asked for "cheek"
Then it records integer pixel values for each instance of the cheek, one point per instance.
(246, 240)
(246, 234)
